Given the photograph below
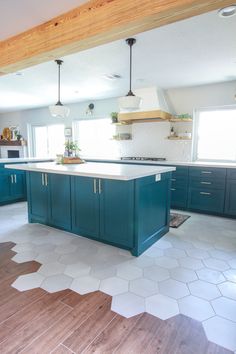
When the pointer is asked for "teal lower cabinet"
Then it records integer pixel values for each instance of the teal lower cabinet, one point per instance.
(207, 189)
(230, 199)
(12, 186)
(49, 199)
(129, 214)
(179, 187)
(103, 209)
(85, 206)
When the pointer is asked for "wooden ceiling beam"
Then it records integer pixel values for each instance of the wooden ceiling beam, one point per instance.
(94, 23)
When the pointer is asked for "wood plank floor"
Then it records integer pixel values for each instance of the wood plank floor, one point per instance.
(65, 322)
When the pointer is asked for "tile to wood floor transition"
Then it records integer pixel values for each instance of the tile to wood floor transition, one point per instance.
(64, 322)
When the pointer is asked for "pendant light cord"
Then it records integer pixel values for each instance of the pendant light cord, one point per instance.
(130, 42)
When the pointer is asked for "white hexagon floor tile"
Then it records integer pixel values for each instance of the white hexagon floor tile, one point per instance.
(77, 269)
(228, 289)
(166, 262)
(129, 272)
(210, 275)
(183, 274)
(195, 308)
(84, 285)
(173, 288)
(143, 287)
(114, 286)
(204, 290)
(128, 304)
(162, 306)
(25, 256)
(53, 268)
(56, 283)
(230, 275)
(28, 281)
(216, 264)
(191, 263)
(225, 307)
(156, 273)
(221, 331)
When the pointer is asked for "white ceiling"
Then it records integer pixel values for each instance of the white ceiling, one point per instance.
(17, 16)
(197, 51)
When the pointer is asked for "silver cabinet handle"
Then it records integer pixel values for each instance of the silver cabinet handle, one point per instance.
(42, 179)
(173, 179)
(173, 189)
(46, 179)
(205, 193)
(206, 172)
(94, 186)
(206, 183)
(99, 186)
(15, 178)
(12, 181)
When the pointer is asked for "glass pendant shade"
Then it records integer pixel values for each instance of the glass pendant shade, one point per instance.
(130, 102)
(59, 110)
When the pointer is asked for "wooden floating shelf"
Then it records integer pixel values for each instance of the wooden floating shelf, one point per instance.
(178, 120)
(178, 138)
(12, 142)
(121, 123)
(144, 116)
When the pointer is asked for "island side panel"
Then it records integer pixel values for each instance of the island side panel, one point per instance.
(152, 211)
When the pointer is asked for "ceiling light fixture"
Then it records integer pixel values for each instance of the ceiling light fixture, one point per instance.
(227, 11)
(130, 102)
(58, 110)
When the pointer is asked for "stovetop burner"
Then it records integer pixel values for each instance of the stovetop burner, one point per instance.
(144, 158)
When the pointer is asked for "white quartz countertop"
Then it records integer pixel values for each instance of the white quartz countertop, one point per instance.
(24, 159)
(169, 163)
(96, 170)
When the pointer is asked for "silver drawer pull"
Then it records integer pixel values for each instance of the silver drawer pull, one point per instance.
(173, 189)
(206, 183)
(42, 176)
(46, 179)
(173, 179)
(15, 178)
(94, 186)
(12, 181)
(206, 172)
(205, 193)
(99, 186)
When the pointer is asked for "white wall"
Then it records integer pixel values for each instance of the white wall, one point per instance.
(149, 139)
(185, 100)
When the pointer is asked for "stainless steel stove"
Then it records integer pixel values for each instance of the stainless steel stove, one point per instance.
(143, 158)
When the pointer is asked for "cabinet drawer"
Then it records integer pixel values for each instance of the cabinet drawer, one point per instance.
(207, 172)
(180, 171)
(211, 200)
(179, 197)
(179, 182)
(207, 183)
(231, 173)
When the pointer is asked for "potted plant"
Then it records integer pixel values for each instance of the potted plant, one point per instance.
(114, 117)
(71, 148)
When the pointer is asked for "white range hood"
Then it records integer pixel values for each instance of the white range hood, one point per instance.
(153, 106)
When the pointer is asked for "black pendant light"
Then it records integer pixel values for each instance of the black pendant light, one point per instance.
(130, 101)
(59, 110)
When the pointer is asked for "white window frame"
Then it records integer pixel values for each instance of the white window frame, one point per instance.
(196, 115)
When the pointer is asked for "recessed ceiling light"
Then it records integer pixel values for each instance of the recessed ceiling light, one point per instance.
(112, 76)
(18, 73)
(227, 11)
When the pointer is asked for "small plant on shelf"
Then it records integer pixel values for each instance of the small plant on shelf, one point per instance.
(71, 148)
(114, 117)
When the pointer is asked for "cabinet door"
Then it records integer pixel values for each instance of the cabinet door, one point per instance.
(60, 206)
(37, 197)
(230, 200)
(117, 212)
(85, 206)
(211, 200)
(5, 187)
(179, 197)
(18, 187)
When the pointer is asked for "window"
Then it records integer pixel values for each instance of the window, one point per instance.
(94, 137)
(47, 140)
(215, 135)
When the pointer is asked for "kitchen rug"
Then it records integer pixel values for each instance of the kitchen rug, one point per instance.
(177, 219)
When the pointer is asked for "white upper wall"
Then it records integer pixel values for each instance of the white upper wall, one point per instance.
(185, 100)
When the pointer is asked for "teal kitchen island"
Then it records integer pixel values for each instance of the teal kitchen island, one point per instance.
(127, 206)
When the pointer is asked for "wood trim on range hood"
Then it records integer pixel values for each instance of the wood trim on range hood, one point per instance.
(145, 116)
